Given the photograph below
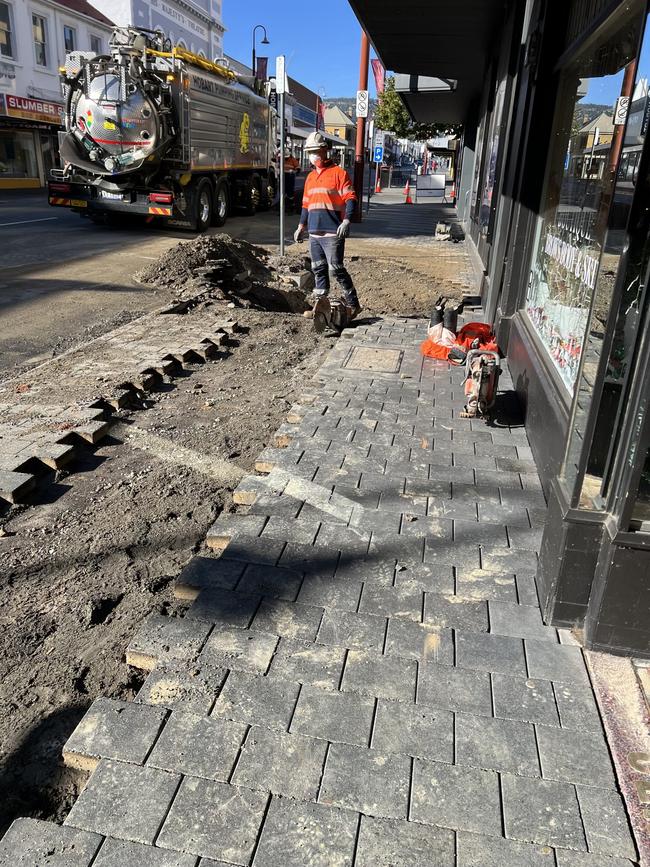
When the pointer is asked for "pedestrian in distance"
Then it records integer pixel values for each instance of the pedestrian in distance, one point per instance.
(327, 208)
(291, 169)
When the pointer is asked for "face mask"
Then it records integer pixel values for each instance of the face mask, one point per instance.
(315, 159)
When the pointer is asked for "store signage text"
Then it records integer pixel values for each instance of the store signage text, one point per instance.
(33, 109)
(572, 258)
(182, 20)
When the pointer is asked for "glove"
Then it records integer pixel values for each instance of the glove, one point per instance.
(343, 230)
(299, 234)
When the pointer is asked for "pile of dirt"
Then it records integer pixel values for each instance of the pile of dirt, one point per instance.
(230, 270)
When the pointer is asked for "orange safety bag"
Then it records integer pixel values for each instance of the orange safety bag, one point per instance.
(480, 331)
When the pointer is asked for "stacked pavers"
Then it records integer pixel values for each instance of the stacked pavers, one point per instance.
(362, 676)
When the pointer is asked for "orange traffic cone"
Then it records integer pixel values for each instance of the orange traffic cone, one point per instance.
(407, 193)
(378, 184)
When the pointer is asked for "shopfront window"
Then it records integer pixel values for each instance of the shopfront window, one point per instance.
(585, 151)
(17, 155)
(490, 170)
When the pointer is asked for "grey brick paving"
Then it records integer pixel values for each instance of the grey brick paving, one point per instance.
(364, 672)
(118, 853)
(297, 834)
(269, 761)
(334, 716)
(248, 698)
(541, 811)
(30, 842)
(214, 820)
(391, 842)
(366, 780)
(124, 801)
(455, 797)
(477, 850)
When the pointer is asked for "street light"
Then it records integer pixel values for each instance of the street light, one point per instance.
(265, 41)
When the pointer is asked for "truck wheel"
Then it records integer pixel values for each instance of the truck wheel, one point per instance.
(202, 206)
(221, 203)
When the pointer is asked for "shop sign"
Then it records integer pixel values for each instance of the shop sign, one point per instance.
(306, 115)
(189, 24)
(573, 259)
(33, 109)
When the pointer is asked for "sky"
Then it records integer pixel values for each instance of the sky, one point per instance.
(320, 41)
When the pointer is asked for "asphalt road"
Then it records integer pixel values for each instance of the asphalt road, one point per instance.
(64, 279)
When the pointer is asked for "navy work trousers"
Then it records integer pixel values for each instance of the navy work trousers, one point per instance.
(327, 253)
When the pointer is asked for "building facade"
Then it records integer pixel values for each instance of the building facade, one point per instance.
(34, 38)
(340, 125)
(553, 187)
(193, 24)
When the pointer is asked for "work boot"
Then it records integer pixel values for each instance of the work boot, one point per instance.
(352, 306)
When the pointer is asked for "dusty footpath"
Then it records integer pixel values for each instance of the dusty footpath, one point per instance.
(94, 551)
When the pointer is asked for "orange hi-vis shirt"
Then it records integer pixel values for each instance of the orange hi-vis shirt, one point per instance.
(328, 199)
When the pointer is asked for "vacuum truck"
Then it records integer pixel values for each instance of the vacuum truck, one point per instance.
(155, 130)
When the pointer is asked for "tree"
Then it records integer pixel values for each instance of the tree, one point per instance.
(392, 116)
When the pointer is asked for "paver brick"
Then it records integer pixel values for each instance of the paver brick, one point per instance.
(349, 629)
(575, 757)
(296, 529)
(124, 801)
(308, 558)
(455, 797)
(487, 652)
(198, 746)
(577, 707)
(445, 552)
(112, 729)
(413, 640)
(566, 858)
(297, 834)
(249, 549)
(527, 589)
(605, 822)
(456, 689)
(523, 621)
(334, 716)
(366, 780)
(372, 568)
(496, 744)
(382, 676)
(508, 559)
(414, 730)
(392, 842)
(166, 639)
(31, 842)
(329, 592)
(271, 581)
(402, 601)
(282, 763)
(481, 584)
(434, 579)
(248, 698)
(288, 619)
(542, 811)
(182, 685)
(215, 820)
(224, 608)
(239, 649)
(555, 662)
(119, 853)
(524, 699)
(317, 664)
(203, 573)
(477, 850)
(452, 612)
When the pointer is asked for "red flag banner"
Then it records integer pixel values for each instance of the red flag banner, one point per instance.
(322, 109)
(262, 68)
(380, 74)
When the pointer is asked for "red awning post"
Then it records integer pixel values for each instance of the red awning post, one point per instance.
(361, 128)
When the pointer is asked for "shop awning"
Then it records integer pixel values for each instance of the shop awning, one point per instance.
(447, 41)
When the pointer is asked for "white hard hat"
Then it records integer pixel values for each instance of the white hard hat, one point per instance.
(315, 141)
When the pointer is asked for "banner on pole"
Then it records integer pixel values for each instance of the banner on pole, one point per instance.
(262, 68)
(380, 74)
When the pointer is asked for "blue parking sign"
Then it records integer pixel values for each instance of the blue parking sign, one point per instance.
(379, 154)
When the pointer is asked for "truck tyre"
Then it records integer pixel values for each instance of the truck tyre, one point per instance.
(221, 204)
(202, 206)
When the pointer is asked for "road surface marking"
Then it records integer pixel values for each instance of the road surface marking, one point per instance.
(20, 222)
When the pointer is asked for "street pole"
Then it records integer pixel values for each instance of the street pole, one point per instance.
(361, 129)
(282, 172)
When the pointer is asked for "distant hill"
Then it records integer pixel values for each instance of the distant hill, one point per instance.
(347, 103)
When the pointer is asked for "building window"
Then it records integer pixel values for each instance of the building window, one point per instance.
(17, 155)
(40, 39)
(69, 38)
(6, 33)
(577, 198)
(95, 44)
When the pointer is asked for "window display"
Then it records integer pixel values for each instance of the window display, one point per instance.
(586, 147)
(17, 155)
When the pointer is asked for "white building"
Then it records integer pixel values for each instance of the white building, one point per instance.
(193, 24)
(34, 38)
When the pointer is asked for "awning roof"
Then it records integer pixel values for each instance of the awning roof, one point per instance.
(446, 40)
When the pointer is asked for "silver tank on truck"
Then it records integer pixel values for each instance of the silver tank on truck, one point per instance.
(146, 104)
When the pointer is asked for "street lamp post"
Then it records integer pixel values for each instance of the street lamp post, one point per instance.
(265, 41)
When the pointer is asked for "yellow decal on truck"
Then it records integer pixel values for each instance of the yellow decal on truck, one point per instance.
(244, 134)
(78, 203)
